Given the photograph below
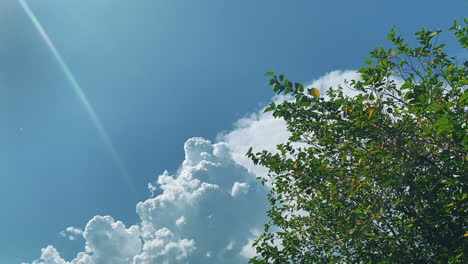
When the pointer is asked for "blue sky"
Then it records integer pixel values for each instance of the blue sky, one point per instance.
(157, 73)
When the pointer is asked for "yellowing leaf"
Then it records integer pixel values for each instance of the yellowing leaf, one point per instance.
(464, 196)
(319, 193)
(331, 198)
(371, 111)
(450, 204)
(412, 219)
(394, 52)
(410, 225)
(465, 235)
(315, 92)
(295, 164)
(367, 167)
(359, 162)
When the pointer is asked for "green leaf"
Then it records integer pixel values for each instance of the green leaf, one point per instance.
(408, 95)
(432, 108)
(270, 73)
(406, 85)
(299, 87)
(442, 125)
(392, 34)
(271, 107)
(272, 81)
(464, 99)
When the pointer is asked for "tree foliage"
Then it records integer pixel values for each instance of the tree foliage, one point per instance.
(378, 177)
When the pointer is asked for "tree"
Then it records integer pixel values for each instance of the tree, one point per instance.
(379, 177)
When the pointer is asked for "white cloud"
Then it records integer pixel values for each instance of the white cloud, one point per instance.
(209, 211)
(165, 247)
(152, 188)
(201, 192)
(50, 256)
(107, 241)
(72, 233)
(180, 221)
(203, 215)
(110, 241)
(259, 131)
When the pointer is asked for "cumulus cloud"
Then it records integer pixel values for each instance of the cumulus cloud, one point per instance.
(209, 217)
(107, 241)
(50, 256)
(203, 215)
(209, 211)
(110, 241)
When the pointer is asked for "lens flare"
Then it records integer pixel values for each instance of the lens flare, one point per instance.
(79, 93)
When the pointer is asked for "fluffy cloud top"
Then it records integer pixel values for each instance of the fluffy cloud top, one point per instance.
(212, 202)
(206, 213)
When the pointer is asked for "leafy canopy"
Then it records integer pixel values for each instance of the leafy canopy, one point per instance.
(379, 177)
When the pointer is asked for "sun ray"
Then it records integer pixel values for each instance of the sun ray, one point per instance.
(80, 94)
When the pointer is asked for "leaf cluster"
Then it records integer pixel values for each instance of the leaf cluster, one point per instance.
(379, 177)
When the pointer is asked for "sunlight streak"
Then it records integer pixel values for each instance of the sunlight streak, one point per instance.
(80, 94)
